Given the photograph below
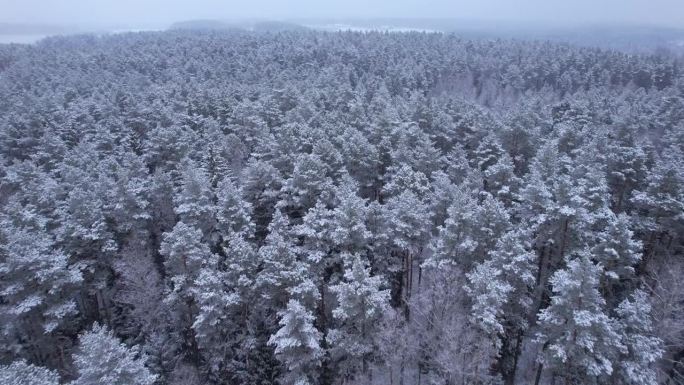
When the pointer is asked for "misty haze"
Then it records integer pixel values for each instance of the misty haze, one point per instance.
(342, 193)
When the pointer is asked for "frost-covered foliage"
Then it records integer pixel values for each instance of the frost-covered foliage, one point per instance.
(297, 345)
(580, 340)
(339, 208)
(361, 305)
(102, 359)
(21, 373)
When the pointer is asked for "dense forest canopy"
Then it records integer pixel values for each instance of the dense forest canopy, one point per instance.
(303, 207)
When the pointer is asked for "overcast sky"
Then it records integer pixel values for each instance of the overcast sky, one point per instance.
(107, 12)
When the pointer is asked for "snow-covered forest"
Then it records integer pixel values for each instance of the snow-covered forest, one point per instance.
(322, 208)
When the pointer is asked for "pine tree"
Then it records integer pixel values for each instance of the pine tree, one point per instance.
(281, 271)
(636, 365)
(361, 305)
(195, 202)
(470, 230)
(414, 149)
(261, 188)
(443, 193)
(406, 221)
(330, 156)
(185, 255)
(361, 159)
(233, 214)
(22, 373)
(488, 292)
(618, 252)
(297, 345)
(626, 166)
(581, 342)
(488, 152)
(38, 283)
(316, 235)
(348, 222)
(661, 203)
(102, 359)
(38, 287)
(403, 178)
(128, 202)
(213, 322)
(224, 294)
(502, 292)
(307, 185)
(501, 181)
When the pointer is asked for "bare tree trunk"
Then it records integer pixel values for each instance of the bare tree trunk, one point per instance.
(506, 365)
(407, 284)
(102, 308)
(537, 377)
(563, 240)
(516, 357)
(401, 372)
(420, 275)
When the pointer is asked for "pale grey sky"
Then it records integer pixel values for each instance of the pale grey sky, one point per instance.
(105, 12)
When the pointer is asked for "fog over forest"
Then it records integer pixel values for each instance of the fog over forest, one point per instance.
(341, 193)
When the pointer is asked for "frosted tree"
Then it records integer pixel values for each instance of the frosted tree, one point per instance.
(224, 293)
(459, 170)
(38, 281)
(406, 223)
(285, 146)
(85, 227)
(361, 304)
(23, 373)
(443, 344)
(520, 136)
(128, 200)
(233, 214)
(281, 271)
(470, 230)
(261, 188)
(636, 366)
(38, 286)
(163, 217)
(443, 193)
(402, 178)
(184, 256)
(194, 203)
(661, 203)
(297, 345)
(414, 148)
(581, 342)
(317, 243)
(566, 203)
(213, 322)
(625, 164)
(500, 180)
(488, 152)
(307, 185)
(489, 292)
(502, 292)
(215, 157)
(361, 158)
(102, 359)
(348, 222)
(330, 156)
(139, 293)
(618, 252)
